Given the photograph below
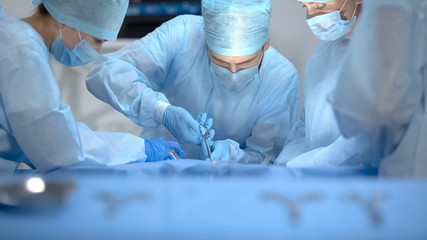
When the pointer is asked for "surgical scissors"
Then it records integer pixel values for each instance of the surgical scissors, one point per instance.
(206, 135)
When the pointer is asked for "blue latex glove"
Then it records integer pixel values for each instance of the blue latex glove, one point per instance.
(207, 124)
(226, 150)
(221, 150)
(182, 125)
(158, 149)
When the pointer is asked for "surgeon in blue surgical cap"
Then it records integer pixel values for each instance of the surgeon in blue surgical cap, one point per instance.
(35, 127)
(316, 141)
(382, 87)
(221, 64)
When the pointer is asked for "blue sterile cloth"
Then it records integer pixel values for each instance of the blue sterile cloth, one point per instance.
(132, 207)
(204, 169)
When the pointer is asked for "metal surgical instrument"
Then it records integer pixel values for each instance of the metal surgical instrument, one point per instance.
(206, 135)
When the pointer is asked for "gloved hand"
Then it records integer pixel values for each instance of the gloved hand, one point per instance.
(206, 124)
(158, 149)
(221, 150)
(227, 150)
(182, 125)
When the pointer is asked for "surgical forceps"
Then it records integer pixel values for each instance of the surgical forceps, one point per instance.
(206, 135)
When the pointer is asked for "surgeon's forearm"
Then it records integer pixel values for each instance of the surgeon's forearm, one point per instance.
(127, 90)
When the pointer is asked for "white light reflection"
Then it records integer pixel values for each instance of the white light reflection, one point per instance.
(36, 185)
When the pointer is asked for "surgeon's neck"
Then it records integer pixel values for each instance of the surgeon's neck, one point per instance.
(46, 26)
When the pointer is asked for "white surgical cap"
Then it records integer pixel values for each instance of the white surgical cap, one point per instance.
(99, 18)
(236, 27)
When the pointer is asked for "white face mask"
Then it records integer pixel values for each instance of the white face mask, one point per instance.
(330, 26)
(237, 81)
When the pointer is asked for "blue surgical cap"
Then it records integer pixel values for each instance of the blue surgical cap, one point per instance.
(99, 18)
(236, 27)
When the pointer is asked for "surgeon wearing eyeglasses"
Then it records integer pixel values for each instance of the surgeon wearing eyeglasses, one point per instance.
(220, 63)
(35, 127)
(318, 141)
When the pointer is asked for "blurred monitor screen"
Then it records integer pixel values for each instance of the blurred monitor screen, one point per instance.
(143, 16)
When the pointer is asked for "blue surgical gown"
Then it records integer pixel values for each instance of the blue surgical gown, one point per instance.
(319, 142)
(35, 127)
(382, 88)
(172, 65)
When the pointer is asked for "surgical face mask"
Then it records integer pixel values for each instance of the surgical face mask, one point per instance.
(82, 54)
(330, 26)
(237, 81)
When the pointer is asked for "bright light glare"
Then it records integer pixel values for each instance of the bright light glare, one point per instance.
(36, 185)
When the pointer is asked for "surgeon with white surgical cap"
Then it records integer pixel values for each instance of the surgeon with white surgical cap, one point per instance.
(382, 88)
(35, 127)
(220, 64)
(317, 141)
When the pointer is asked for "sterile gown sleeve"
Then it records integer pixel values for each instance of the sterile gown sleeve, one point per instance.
(277, 118)
(297, 154)
(116, 78)
(378, 93)
(43, 126)
(336, 154)
(295, 141)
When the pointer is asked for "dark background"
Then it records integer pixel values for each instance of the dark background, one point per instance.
(143, 16)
